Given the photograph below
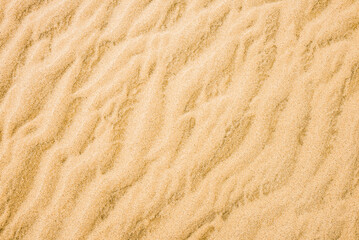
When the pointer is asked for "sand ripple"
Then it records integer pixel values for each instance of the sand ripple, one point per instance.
(174, 119)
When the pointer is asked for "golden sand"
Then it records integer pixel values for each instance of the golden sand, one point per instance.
(171, 119)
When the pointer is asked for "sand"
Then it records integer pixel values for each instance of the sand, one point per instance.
(171, 119)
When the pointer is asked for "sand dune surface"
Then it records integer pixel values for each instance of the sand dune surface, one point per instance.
(179, 119)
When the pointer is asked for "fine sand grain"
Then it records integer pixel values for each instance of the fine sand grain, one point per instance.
(179, 119)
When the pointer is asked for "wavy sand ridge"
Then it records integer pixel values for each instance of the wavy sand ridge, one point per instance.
(170, 119)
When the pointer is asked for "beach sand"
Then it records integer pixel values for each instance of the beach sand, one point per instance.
(174, 119)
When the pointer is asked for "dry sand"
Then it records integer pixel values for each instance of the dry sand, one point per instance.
(171, 119)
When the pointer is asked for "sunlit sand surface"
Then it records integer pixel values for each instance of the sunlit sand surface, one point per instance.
(171, 119)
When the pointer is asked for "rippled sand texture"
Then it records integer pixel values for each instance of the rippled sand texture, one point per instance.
(170, 119)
